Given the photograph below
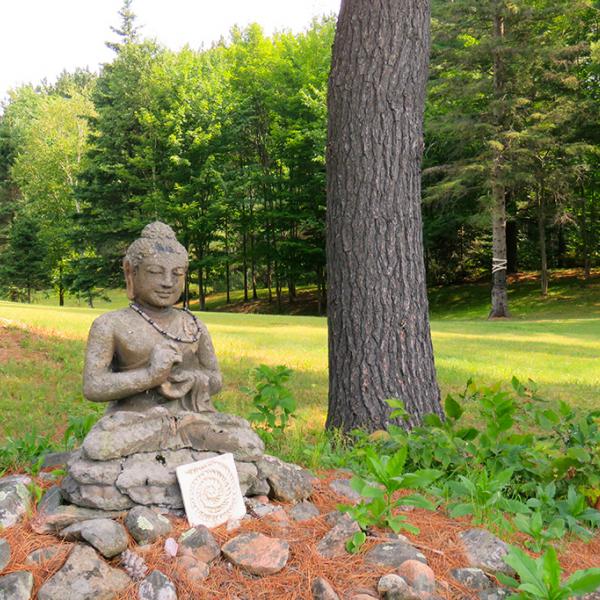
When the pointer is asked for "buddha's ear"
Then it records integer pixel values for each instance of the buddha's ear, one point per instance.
(128, 269)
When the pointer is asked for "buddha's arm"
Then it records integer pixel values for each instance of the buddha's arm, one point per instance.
(100, 382)
(208, 362)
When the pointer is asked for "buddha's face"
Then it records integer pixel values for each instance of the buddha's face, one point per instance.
(159, 280)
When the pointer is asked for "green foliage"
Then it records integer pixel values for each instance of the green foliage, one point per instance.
(26, 451)
(77, 428)
(540, 578)
(354, 544)
(273, 402)
(527, 458)
(385, 477)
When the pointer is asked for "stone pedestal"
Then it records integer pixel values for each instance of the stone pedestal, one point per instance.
(129, 458)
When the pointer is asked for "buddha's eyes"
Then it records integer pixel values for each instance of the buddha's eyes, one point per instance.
(155, 270)
(179, 272)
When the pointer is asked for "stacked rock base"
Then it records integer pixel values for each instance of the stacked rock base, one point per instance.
(129, 459)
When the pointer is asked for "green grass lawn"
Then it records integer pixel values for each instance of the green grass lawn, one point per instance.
(554, 341)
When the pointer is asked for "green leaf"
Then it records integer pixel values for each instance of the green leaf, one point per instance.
(419, 479)
(584, 581)
(452, 408)
(460, 510)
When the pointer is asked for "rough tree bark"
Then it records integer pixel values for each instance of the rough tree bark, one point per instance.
(379, 337)
(499, 262)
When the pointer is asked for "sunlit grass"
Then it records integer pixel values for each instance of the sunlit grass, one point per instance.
(561, 355)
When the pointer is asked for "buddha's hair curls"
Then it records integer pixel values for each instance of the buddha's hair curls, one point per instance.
(156, 238)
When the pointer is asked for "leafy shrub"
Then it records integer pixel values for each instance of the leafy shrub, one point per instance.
(26, 451)
(540, 578)
(273, 402)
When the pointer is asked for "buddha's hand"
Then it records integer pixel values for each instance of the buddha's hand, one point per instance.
(162, 359)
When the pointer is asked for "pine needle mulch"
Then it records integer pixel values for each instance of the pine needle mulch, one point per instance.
(438, 541)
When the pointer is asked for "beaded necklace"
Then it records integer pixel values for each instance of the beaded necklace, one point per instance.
(164, 333)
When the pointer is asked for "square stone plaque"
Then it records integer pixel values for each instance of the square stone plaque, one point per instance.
(211, 491)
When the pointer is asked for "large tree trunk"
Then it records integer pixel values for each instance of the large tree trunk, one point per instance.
(542, 239)
(379, 338)
(499, 262)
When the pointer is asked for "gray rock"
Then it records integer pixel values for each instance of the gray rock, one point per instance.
(124, 433)
(485, 551)
(93, 472)
(16, 586)
(247, 475)
(474, 579)
(64, 515)
(50, 501)
(288, 482)
(419, 576)
(257, 553)
(342, 488)
(393, 554)
(496, 593)
(15, 499)
(146, 525)
(157, 586)
(335, 516)
(84, 576)
(321, 590)
(394, 587)
(4, 553)
(304, 511)
(106, 535)
(43, 554)
(56, 459)
(334, 542)
(101, 497)
(150, 478)
(201, 543)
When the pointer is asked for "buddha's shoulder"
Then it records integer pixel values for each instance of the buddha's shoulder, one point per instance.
(114, 319)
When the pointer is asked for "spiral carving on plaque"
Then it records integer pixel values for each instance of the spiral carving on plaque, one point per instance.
(211, 491)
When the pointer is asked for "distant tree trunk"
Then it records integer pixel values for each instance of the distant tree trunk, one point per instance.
(379, 338)
(61, 287)
(542, 239)
(512, 265)
(227, 265)
(245, 263)
(201, 292)
(499, 262)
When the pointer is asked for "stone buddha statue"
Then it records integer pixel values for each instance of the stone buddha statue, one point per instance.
(151, 353)
(156, 366)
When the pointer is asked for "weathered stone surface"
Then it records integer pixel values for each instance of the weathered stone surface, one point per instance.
(418, 575)
(322, 590)
(362, 597)
(16, 586)
(485, 551)
(15, 499)
(256, 553)
(219, 432)
(393, 554)
(334, 542)
(474, 579)
(335, 516)
(149, 477)
(50, 501)
(146, 525)
(247, 475)
(304, 511)
(101, 497)
(106, 535)
(93, 472)
(126, 432)
(157, 586)
(84, 576)
(342, 488)
(4, 553)
(200, 541)
(65, 515)
(44, 554)
(288, 482)
(190, 567)
(394, 587)
(56, 459)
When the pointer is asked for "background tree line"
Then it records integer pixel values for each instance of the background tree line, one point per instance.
(227, 144)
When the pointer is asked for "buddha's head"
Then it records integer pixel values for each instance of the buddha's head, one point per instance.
(155, 266)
